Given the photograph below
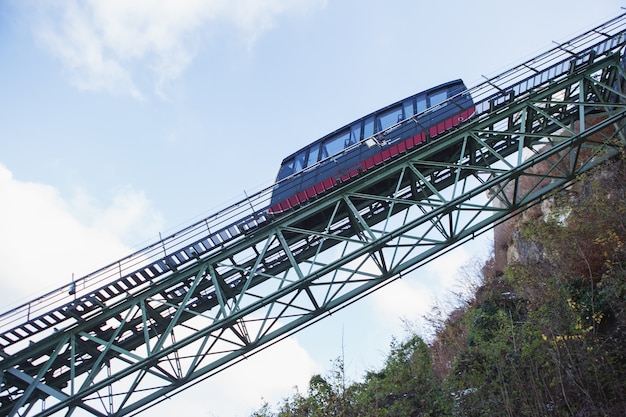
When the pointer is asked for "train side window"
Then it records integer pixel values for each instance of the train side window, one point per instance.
(314, 153)
(389, 118)
(437, 97)
(421, 105)
(408, 108)
(335, 144)
(368, 127)
(355, 135)
(299, 161)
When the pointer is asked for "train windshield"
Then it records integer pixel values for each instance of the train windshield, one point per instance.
(300, 161)
(286, 170)
(292, 165)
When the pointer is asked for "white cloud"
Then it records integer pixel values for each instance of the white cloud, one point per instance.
(129, 216)
(269, 376)
(238, 391)
(46, 238)
(255, 17)
(44, 242)
(414, 296)
(109, 45)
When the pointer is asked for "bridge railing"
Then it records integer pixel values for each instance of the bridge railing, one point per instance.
(549, 66)
(116, 280)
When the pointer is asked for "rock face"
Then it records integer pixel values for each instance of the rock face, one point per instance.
(509, 247)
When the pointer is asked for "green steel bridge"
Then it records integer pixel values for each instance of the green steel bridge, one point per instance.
(125, 337)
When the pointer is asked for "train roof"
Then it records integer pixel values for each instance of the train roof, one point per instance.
(395, 103)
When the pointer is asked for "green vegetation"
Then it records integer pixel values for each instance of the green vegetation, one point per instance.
(546, 338)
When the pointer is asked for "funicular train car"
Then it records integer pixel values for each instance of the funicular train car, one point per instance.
(377, 137)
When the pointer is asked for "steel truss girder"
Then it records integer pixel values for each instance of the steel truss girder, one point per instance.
(323, 256)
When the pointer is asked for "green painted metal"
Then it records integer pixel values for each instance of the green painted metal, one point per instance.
(128, 352)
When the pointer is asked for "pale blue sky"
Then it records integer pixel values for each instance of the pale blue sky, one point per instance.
(120, 120)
